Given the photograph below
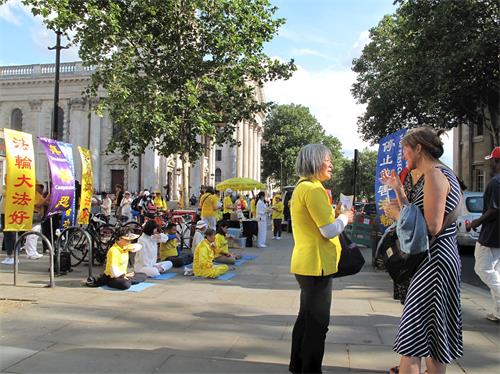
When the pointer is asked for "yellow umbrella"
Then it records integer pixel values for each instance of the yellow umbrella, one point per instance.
(240, 184)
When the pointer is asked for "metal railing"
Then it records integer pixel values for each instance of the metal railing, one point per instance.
(51, 255)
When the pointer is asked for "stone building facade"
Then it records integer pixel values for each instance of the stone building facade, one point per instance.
(26, 104)
(470, 146)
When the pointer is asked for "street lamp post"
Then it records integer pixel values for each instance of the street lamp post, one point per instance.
(55, 116)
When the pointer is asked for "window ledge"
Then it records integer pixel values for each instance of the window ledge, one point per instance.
(478, 139)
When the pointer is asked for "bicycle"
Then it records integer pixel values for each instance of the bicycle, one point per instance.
(103, 237)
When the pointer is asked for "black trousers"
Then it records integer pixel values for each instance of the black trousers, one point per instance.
(9, 238)
(124, 284)
(309, 332)
(226, 216)
(277, 227)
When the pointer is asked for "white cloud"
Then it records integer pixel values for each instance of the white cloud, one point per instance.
(12, 12)
(327, 95)
(306, 52)
(363, 39)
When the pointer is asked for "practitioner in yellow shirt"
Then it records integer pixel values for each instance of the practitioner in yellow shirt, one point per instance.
(222, 253)
(277, 216)
(208, 207)
(159, 201)
(253, 208)
(204, 256)
(116, 274)
(227, 205)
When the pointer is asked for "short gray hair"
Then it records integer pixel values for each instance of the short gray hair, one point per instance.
(310, 158)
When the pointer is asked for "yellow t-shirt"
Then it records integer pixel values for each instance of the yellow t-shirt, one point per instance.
(221, 245)
(310, 209)
(168, 249)
(160, 203)
(242, 204)
(253, 207)
(203, 262)
(278, 209)
(209, 205)
(228, 204)
(116, 261)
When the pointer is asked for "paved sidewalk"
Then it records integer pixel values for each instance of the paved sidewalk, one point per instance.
(185, 325)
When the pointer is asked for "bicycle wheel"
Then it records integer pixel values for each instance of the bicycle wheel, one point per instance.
(105, 234)
(78, 247)
(132, 227)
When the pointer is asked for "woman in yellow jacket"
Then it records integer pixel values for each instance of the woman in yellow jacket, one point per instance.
(315, 256)
(204, 256)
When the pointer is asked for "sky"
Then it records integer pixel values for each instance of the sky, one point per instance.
(322, 36)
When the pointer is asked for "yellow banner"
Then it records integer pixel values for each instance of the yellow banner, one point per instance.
(20, 181)
(87, 186)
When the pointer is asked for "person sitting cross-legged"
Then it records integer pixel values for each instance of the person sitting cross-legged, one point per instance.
(116, 274)
(222, 254)
(146, 259)
(203, 265)
(169, 251)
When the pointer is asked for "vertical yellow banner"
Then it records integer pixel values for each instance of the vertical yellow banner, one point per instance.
(21, 181)
(87, 186)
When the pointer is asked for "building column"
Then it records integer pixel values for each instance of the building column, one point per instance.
(251, 149)
(258, 158)
(239, 151)
(246, 153)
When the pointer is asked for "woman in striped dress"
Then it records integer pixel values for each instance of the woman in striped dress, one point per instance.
(431, 324)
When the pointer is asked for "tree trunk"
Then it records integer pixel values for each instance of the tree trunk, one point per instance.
(185, 179)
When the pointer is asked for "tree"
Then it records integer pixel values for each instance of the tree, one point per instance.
(287, 129)
(176, 72)
(433, 62)
(343, 173)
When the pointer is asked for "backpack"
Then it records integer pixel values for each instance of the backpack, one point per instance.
(135, 203)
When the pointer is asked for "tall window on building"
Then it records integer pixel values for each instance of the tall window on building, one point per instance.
(57, 129)
(16, 120)
(218, 175)
(478, 127)
(478, 180)
(218, 155)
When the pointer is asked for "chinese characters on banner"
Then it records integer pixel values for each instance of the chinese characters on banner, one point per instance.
(68, 220)
(87, 186)
(62, 192)
(390, 157)
(21, 180)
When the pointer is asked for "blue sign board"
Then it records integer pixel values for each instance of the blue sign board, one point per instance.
(390, 157)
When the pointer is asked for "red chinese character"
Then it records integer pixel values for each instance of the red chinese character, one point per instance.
(20, 143)
(88, 201)
(18, 217)
(23, 180)
(21, 199)
(23, 162)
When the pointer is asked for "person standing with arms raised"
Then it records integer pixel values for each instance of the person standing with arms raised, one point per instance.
(315, 256)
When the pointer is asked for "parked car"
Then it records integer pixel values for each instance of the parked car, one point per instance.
(472, 209)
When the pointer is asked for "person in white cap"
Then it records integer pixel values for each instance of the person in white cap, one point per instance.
(487, 252)
(199, 235)
(116, 274)
(228, 206)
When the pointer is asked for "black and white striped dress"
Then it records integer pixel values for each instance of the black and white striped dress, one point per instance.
(431, 324)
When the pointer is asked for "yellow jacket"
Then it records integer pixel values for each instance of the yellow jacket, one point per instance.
(278, 209)
(253, 208)
(208, 205)
(203, 262)
(228, 205)
(160, 203)
(221, 245)
(310, 209)
(116, 261)
(168, 249)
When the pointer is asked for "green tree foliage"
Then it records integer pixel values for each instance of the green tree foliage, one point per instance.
(175, 71)
(433, 62)
(343, 176)
(287, 129)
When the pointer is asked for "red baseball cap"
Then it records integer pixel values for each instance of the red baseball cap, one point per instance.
(495, 153)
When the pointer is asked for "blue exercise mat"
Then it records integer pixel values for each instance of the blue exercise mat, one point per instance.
(248, 257)
(134, 288)
(165, 276)
(226, 276)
